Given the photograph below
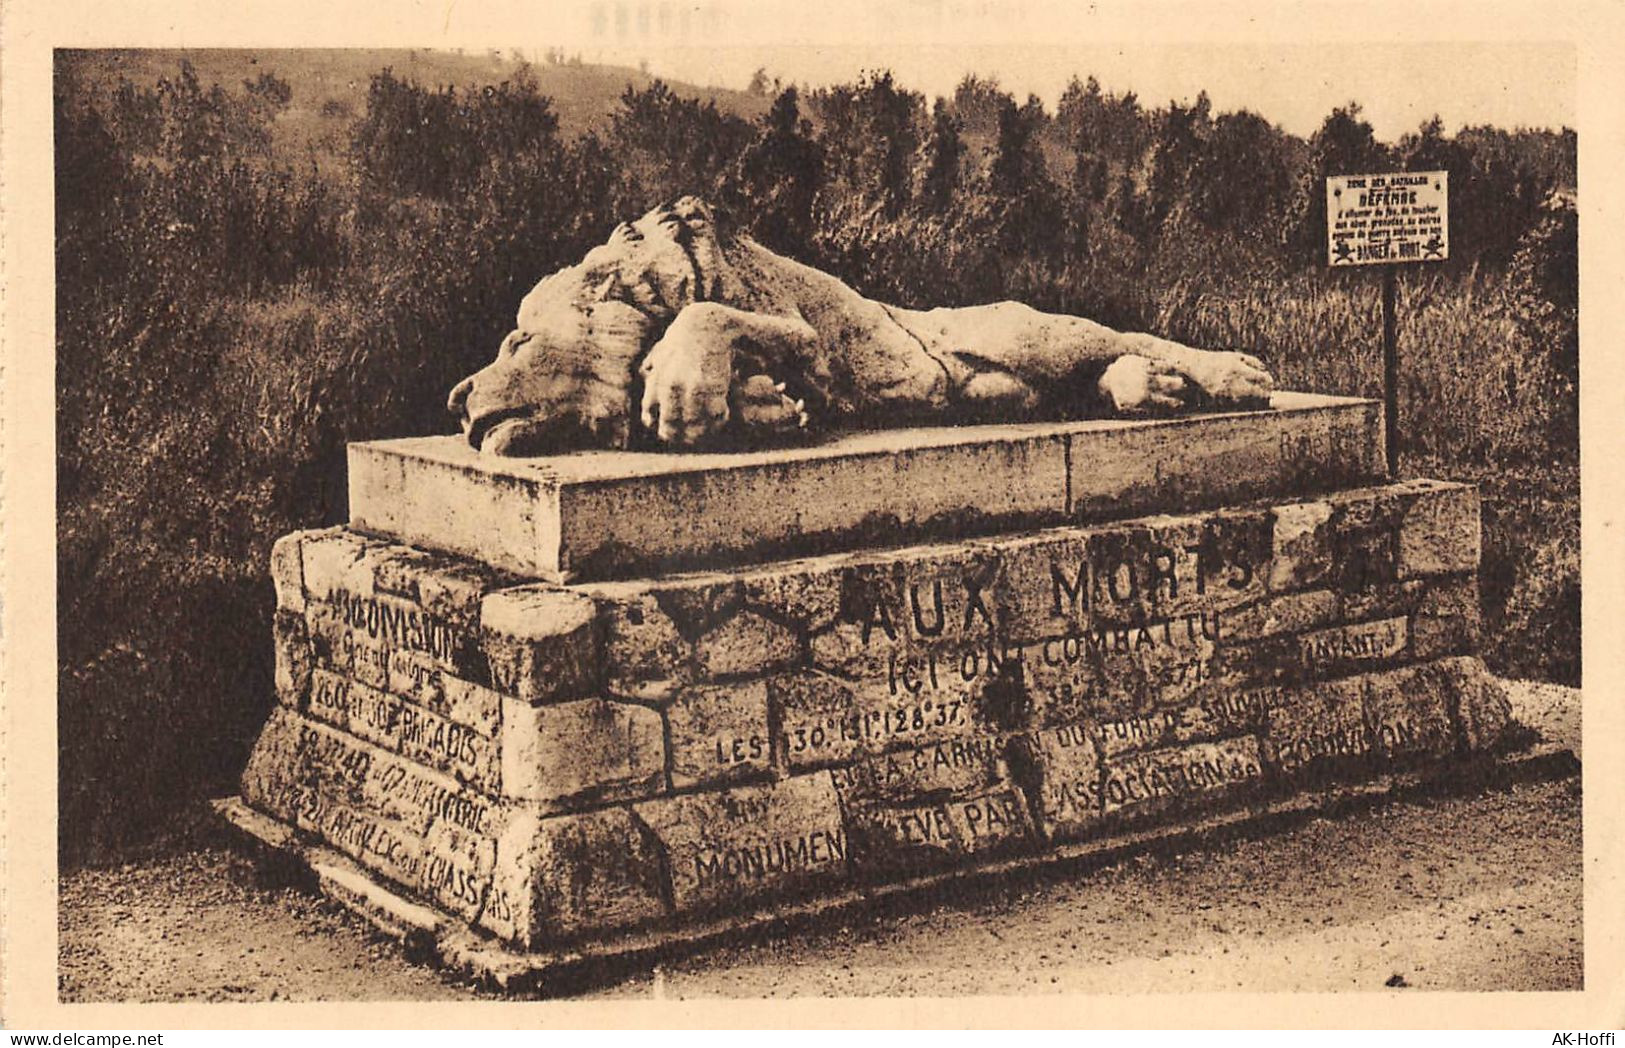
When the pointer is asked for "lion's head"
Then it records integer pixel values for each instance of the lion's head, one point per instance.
(566, 376)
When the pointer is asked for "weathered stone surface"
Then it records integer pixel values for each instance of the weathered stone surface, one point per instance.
(915, 639)
(852, 650)
(617, 514)
(1447, 619)
(1409, 711)
(825, 719)
(1483, 710)
(1223, 712)
(1305, 445)
(293, 657)
(1043, 587)
(1440, 532)
(1114, 672)
(938, 618)
(1443, 609)
(411, 675)
(376, 843)
(1353, 646)
(613, 514)
(1233, 561)
(423, 492)
(1288, 613)
(404, 728)
(364, 635)
(819, 720)
(408, 672)
(934, 804)
(388, 785)
(377, 609)
(1137, 569)
(1364, 533)
(288, 571)
(1403, 530)
(1319, 731)
(1382, 601)
(1200, 775)
(929, 703)
(907, 601)
(1449, 596)
(746, 644)
(902, 838)
(541, 643)
(379, 904)
(1270, 661)
(719, 734)
(748, 842)
(642, 645)
(340, 565)
(338, 647)
(1149, 570)
(1301, 546)
(1145, 569)
(652, 693)
(443, 864)
(957, 768)
(421, 829)
(335, 559)
(457, 870)
(271, 779)
(590, 751)
(462, 701)
(807, 593)
(444, 587)
(535, 612)
(1063, 767)
(915, 697)
(1435, 636)
(563, 876)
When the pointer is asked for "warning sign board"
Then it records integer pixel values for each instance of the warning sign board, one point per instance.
(1394, 217)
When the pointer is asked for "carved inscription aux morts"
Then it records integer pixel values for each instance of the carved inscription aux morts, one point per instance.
(1077, 586)
(946, 634)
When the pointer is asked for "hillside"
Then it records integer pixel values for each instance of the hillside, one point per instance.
(330, 85)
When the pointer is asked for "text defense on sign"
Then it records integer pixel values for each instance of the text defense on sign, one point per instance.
(1399, 217)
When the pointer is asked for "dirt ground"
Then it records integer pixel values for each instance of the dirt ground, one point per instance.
(1440, 893)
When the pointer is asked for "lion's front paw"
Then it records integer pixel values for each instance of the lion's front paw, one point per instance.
(685, 386)
(1137, 385)
(1228, 378)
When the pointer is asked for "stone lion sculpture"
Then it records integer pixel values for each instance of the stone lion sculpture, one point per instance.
(682, 334)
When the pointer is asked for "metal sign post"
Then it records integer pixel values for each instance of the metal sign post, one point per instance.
(1390, 370)
(1387, 219)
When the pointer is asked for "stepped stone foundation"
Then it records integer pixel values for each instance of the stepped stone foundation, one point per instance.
(562, 701)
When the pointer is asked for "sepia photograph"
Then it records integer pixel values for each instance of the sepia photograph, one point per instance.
(629, 513)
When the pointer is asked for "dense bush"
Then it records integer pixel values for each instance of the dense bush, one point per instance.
(229, 315)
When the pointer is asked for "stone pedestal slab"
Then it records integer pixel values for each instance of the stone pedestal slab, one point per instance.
(603, 514)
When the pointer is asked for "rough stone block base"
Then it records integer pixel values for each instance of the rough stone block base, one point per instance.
(557, 765)
(563, 969)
